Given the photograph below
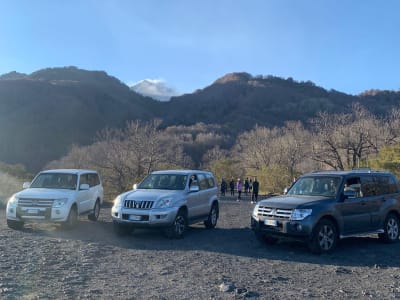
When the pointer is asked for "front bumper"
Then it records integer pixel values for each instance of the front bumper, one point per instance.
(145, 217)
(39, 214)
(283, 228)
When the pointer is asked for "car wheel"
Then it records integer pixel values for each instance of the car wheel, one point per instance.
(122, 229)
(94, 215)
(211, 222)
(324, 237)
(265, 239)
(178, 227)
(13, 224)
(72, 218)
(391, 229)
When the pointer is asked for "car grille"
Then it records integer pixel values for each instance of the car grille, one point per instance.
(138, 204)
(23, 202)
(278, 213)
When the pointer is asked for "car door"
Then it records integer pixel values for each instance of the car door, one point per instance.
(193, 199)
(355, 211)
(83, 196)
(385, 189)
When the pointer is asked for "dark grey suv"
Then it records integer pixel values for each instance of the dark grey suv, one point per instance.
(322, 207)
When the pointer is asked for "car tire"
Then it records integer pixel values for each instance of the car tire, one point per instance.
(391, 228)
(72, 219)
(324, 237)
(212, 219)
(122, 229)
(94, 215)
(178, 227)
(14, 224)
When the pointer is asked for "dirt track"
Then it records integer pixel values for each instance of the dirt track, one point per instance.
(46, 262)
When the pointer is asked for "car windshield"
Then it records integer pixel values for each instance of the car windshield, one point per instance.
(164, 182)
(316, 186)
(55, 181)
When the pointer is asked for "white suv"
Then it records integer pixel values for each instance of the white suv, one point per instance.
(170, 199)
(57, 196)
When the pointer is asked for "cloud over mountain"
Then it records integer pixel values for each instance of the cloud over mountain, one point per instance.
(154, 88)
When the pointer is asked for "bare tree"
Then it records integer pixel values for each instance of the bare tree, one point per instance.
(345, 140)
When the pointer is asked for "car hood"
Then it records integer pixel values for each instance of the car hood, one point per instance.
(289, 202)
(45, 193)
(150, 195)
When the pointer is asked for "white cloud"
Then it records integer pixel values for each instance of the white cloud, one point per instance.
(154, 88)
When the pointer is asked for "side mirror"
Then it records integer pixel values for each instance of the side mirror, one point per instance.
(84, 186)
(26, 185)
(285, 190)
(349, 194)
(194, 188)
(134, 186)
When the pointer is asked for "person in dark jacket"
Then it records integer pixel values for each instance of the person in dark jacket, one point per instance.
(254, 194)
(232, 187)
(223, 187)
(246, 186)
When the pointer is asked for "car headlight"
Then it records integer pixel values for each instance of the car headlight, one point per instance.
(117, 202)
(59, 202)
(300, 214)
(12, 202)
(255, 211)
(164, 203)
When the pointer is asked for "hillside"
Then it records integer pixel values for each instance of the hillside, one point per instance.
(239, 101)
(44, 113)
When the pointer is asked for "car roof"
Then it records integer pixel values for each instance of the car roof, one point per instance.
(180, 172)
(69, 171)
(363, 171)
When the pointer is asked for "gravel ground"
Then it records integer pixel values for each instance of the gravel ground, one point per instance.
(47, 262)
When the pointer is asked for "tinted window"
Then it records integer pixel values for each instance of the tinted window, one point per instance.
(383, 185)
(369, 186)
(386, 184)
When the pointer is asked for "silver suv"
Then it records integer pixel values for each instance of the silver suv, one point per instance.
(170, 199)
(57, 196)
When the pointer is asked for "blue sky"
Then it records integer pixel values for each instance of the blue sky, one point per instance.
(346, 45)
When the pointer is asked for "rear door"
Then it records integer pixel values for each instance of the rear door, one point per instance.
(355, 211)
(83, 196)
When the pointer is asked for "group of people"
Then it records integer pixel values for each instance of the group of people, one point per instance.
(249, 186)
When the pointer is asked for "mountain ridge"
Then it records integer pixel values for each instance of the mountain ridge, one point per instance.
(44, 113)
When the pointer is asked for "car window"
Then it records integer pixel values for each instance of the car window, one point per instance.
(164, 182)
(83, 179)
(386, 184)
(55, 181)
(93, 179)
(369, 186)
(210, 181)
(353, 184)
(203, 184)
(316, 186)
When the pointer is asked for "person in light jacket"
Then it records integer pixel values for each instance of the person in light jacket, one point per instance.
(239, 187)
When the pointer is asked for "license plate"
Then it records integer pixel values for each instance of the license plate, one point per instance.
(135, 218)
(271, 222)
(32, 211)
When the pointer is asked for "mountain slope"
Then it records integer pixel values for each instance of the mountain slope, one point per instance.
(241, 101)
(43, 114)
